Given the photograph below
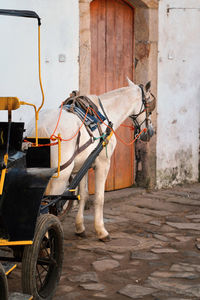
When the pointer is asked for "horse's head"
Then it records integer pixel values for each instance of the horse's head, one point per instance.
(142, 116)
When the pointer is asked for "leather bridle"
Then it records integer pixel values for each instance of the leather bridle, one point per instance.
(147, 106)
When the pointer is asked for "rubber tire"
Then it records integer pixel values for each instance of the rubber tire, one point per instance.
(3, 284)
(50, 224)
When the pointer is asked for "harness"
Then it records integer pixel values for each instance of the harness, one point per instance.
(79, 105)
(147, 107)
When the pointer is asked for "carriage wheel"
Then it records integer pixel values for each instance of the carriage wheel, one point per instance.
(3, 284)
(42, 261)
(62, 213)
(65, 211)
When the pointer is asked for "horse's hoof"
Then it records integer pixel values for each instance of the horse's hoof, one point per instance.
(81, 234)
(106, 239)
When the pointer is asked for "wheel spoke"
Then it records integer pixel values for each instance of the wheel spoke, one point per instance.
(44, 248)
(44, 269)
(52, 247)
(47, 253)
(38, 278)
(42, 273)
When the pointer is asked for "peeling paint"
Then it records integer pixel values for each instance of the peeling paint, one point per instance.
(183, 110)
(142, 50)
(181, 8)
(181, 173)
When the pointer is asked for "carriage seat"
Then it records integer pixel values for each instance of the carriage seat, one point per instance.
(41, 172)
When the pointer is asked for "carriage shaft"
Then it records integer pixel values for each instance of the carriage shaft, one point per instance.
(86, 166)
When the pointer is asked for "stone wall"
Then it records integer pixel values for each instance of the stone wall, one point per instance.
(146, 40)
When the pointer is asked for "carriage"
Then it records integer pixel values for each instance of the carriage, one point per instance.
(30, 230)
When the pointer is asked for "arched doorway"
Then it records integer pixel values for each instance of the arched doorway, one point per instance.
(112, 60)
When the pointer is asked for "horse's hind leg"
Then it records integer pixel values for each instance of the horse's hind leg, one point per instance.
(101, 172)
(79, 224)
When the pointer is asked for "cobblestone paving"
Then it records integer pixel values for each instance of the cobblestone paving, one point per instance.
(154, 253)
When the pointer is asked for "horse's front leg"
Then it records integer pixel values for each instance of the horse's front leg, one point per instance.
(57, 186)
(79, 224)
(101, 172)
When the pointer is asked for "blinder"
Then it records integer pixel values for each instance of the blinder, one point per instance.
(150, 105)
(147, 106)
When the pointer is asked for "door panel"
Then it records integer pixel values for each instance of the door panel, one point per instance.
(112, 56)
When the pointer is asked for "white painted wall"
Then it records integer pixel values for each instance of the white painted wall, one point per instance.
(178, 92)
(18, 54)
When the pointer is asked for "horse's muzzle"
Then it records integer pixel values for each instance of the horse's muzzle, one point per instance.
(145, 136)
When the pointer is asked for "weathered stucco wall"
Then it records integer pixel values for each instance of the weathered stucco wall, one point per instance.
(178, 92)
(59, 52)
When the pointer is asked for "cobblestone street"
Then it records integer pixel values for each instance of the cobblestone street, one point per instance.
(154, 253)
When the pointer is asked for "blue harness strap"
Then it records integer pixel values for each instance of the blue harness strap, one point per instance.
(90, 121)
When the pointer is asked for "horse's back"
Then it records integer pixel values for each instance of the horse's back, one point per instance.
(50, 120)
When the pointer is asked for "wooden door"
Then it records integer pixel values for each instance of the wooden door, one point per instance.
(112, 57)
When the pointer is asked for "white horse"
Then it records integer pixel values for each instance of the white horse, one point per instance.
(118, 105)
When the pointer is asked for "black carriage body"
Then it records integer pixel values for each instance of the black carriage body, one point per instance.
(20, 202)
(16, 136)
(23, 187)
(39, 157)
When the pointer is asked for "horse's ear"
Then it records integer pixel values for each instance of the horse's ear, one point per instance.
(130, 83)
(148, 86)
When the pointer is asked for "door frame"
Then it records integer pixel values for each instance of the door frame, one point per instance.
(146, 49)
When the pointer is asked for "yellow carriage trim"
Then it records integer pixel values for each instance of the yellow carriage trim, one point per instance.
(11, 269)
(9, 103)
(3, 174)
(4, 242)
(59, 156)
